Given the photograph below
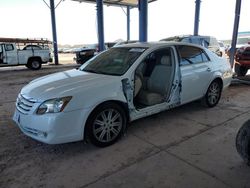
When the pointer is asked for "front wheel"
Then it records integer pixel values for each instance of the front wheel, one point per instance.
(243, 142)
(106, 124)
(213, 94)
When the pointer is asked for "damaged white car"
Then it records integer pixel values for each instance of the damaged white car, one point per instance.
(122, 84)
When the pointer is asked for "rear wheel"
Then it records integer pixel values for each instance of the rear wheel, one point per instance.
(240, 71)
(106, 124)
(243, 142)
(34, 64)
(213, 94)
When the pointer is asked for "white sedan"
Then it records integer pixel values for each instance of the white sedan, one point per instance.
(122, 84)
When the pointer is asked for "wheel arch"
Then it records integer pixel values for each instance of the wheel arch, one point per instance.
(34, 58)
(123, 105)
(218, 78)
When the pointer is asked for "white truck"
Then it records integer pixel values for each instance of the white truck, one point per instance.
(29, 52)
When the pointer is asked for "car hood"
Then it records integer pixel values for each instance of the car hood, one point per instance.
(65, 84)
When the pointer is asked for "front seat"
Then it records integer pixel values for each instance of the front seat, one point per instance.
(138, 85)
(157, 84)
(139, 78)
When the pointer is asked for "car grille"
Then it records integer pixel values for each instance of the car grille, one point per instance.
(30, 130)
(23, 104)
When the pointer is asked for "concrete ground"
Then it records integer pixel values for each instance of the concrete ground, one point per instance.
(190, 146)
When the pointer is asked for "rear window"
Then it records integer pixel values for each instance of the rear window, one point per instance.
(191, 55)
(213, 42)
(9, 47)
(221, 44)
(186, 40)
(32, 47)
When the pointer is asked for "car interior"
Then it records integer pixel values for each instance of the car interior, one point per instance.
(153, 78)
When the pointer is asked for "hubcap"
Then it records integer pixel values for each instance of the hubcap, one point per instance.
(213, 93)
(35, 64)
(107, 125)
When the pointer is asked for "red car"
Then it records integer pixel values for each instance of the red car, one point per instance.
(242, 59)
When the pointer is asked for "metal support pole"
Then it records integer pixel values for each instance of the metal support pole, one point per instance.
(143, 20)
(99, 6)
(128, 23)
(197, 16)
(53, 22)
(235, 31)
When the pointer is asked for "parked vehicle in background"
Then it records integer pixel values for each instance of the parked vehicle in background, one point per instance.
(119, 85)
(243, 39)
(242, 58)
(222, 48)
(89, 51)
(29, 52)
(86, 53)
(208, 42)
(126, 42)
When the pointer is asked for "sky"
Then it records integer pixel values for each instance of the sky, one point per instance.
(76, 22)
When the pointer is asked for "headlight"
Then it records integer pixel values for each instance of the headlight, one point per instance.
(53, 105)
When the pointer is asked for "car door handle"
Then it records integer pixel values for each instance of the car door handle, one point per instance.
(208, 69)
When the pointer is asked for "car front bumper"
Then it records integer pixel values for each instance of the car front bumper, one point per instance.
(54, 128)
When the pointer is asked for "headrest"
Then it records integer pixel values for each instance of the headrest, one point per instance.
(166, 60)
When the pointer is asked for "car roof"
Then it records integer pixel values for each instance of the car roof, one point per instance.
(186, 36)
(156, 44)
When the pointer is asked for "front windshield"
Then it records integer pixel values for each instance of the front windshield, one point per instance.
(221, 44)
(115, 61)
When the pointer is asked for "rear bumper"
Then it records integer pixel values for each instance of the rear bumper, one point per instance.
(47, 60)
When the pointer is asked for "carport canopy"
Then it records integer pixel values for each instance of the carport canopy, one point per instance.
(131, 3)
(143, 14)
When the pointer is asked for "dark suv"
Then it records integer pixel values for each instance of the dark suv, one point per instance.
(89, 51)
(242, 58)
(207, 41)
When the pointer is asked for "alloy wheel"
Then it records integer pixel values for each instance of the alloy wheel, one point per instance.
(213, 94)
(107, 125)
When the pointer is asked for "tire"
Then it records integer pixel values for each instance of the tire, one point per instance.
(213, 94)
(240, 71)
(243, 142)
(34, 64)
(106, 124)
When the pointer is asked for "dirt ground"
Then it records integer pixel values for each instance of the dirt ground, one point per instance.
(190, 146)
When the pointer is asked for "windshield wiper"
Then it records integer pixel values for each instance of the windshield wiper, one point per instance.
(92, 71)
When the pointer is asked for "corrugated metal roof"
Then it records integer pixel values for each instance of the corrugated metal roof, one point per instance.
(132, 3)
